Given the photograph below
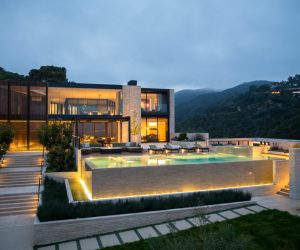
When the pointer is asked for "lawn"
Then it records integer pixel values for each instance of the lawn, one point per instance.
(271, 229)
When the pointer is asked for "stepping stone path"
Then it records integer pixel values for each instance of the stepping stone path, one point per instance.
(136, 234)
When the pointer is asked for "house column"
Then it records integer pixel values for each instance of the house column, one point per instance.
(132, 108)
(294, 173)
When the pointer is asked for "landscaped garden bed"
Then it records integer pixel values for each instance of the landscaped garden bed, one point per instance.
(55, 204)
(271, 229)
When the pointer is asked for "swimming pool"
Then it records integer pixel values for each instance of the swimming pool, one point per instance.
(172, 159)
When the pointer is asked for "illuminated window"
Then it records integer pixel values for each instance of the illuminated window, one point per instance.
(154, 129)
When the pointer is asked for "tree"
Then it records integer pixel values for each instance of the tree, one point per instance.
(57, 137)
(48, 74)
(56, 133)
(7, 75)
(7, 134)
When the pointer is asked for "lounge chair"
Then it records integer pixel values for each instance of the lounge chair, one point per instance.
(172, 148)
(201, 149)
(155, 149)
(188, 148)
(86, 148)
(133, 147)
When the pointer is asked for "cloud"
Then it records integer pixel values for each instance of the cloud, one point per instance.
(171, 43)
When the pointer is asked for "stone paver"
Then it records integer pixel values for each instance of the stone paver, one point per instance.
(129, 236)
(195, 221)
(163, 228)
(109, 240)
(279, 202)
(229, 214)
(256, 208)
(215, 218)
(89, 244)
(52, 247)
(182, 224)
(243, 211)
(147, 232)
(71, 245)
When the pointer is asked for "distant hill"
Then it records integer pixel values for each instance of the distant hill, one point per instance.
(259, 110)
(191, 102)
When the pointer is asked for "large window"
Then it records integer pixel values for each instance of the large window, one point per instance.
(154, 129)
(82, 101)
(154, 103)
(37, 102)
(19, 101)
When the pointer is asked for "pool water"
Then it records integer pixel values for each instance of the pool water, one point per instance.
(172, 159)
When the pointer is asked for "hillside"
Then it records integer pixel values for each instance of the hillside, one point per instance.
(259, 112)
(191, 102)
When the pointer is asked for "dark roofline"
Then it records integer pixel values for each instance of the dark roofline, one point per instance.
(84, 85)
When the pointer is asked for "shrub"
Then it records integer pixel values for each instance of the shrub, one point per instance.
(56, 207)
(3, 149)
(198, 137)
(182, 137)
(7, 133)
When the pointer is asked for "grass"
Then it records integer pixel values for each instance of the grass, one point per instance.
(55, 205)
(268, 230)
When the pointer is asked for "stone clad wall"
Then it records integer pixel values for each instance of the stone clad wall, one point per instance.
(132, 108)
(295, 173)
(118, 182)
(172, 113)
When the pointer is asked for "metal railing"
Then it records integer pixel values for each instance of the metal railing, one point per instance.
(40, 179)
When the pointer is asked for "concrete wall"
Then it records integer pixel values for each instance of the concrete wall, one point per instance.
(61, 176)
(119, 182)
(281, 171)
(235, 150)
(49, 232)
(281, 143)
(295, 173)
(132, 108)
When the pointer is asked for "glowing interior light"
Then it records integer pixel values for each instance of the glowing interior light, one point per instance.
(85, 189)
(161, 162)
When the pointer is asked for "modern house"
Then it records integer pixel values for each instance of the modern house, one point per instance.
(103, 113)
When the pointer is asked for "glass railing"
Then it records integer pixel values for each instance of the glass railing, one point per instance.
(155, 109)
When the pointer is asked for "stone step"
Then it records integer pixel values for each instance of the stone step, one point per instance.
(21, 166)
(283, 193)
(19, 177)
(17, 196)
(19, 203)
(24, 211)
(19, 200)
(19, 185)
(16, 207)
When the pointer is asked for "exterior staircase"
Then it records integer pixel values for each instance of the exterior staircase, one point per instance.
(284, 191)
(18, 204)
(19, 179)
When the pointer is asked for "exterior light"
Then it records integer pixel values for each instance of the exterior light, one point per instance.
(85, 189)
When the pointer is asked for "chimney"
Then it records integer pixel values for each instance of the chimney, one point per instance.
(132, 83)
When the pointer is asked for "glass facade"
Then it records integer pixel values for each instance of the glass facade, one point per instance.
(3, 101)
(154, 103)
(84, 101)
(23, 104)
(155, 129)
(96, 113)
